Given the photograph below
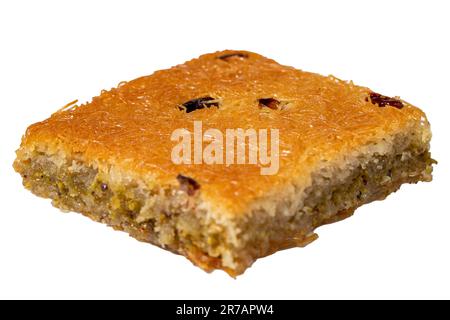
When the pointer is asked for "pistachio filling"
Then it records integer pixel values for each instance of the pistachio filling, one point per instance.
(170, 217)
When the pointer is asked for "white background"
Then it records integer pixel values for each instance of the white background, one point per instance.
(52, 52)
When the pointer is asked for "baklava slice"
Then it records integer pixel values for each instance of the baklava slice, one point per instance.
(337, 146)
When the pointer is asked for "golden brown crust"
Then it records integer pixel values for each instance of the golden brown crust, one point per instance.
(130, 126)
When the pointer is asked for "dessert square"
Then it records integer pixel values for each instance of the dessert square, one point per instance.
(226, 158)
